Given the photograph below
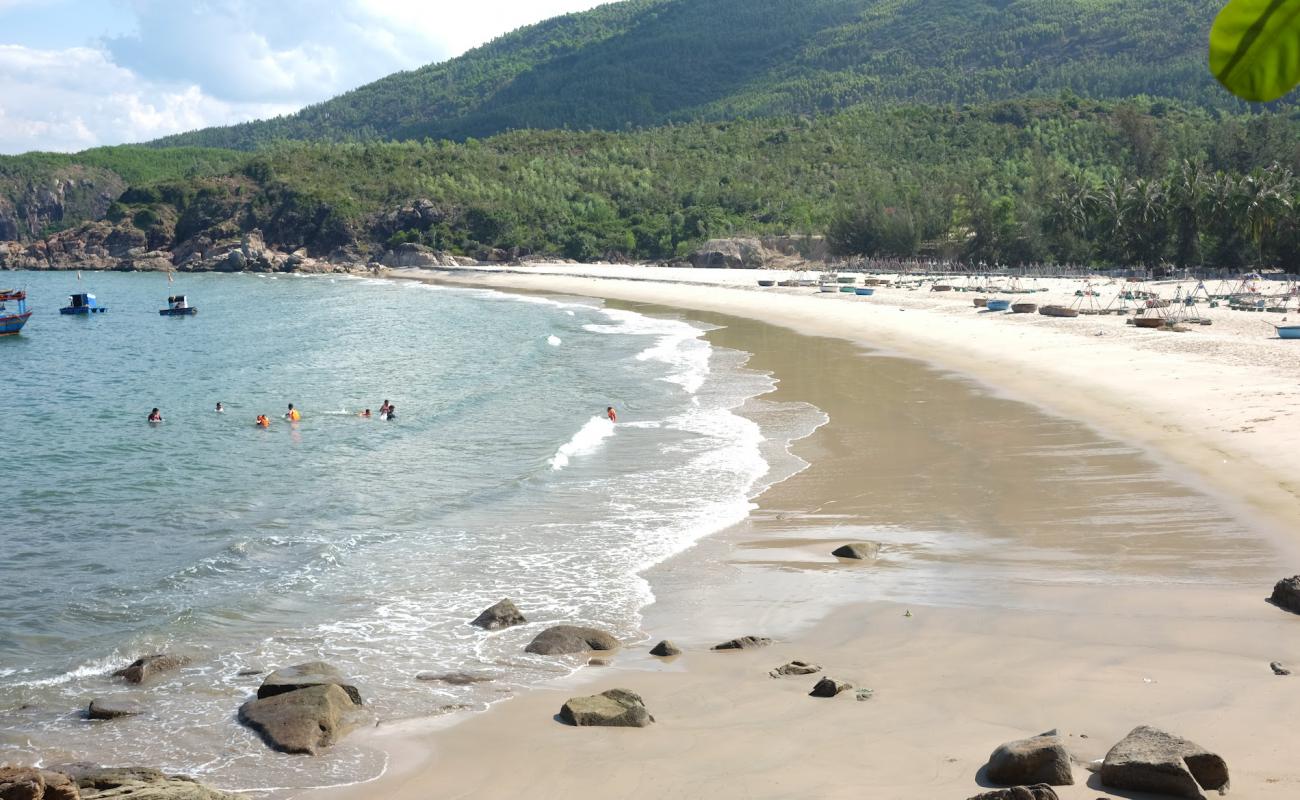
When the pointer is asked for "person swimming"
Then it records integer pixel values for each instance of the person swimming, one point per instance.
(263, 421)
(365, 414)
(292, 414)
(155, 416)
(609, 412)
(390, 414)
(220, 408)
(384, 409)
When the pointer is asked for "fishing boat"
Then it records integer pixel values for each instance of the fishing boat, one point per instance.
(82, 304)
(1058, 311)
(760, 283)
(941, 287)
(1288, 331)
(788, 283)
(864, 291)
(847, 289)
(846, 279)
(1149, 322)
(178, 306)
(11, 323)
(981, 302)
(829, 287)
(998, 305)
(1024, 308)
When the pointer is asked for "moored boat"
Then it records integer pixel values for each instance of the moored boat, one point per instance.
(981, 302)
(847, 289)
(829, 287)
(941, 287)
(863, 291)
(178, 306)
(767, 283)
(1058, 311)
(82, 304)
(998, 305)
(1288, 331)
(846, 279)
(1149, 322)
(11, 323)
(1024, 308)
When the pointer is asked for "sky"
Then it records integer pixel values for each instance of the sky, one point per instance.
(82, 73)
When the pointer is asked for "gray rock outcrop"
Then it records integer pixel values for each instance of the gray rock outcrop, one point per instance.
(1037, 792)
(1038, 759)
(110, 708)
(146, 668)
(29, 783)
(136, 783)
(795, 668)
(1151, 760)
(864, 551)
(303, 676)
(617, 708)
(743, 643)
(829, 687)
(303, 720)
(665, 649)
(564, 639)
(1286, 594)
(502, 615)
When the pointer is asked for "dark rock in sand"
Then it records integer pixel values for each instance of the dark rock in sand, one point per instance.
(1038, 759)
(250, 672)
(108, 708)
(502, 615)
(29, 783)
(136, 783)
(455, 678)
(147, 667)
(1286, 594)
(864, 551)
(828, 687)
(1037, 792)
(302, 676)
(795, 668)
(744, 643)
(302, 721)
(563, 639)
(1278, 669)
(616, 708)
(665, 649)
(1150, 760)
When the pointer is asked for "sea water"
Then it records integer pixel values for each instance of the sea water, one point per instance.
(366, 543)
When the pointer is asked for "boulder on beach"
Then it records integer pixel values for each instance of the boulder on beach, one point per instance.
(137, 783)
(1039, 791)
(302, 676)
(617, 708)
(1278, 668)
(862, 551)
(1286, 594)
(302, 721)
(665, 649)
(148, 667)
(795, 668)
(1151, 760)
(502, 615)
(29, 783)
(1038, 759)
(110, 708)
(564, 639)
(829, 687)
(744, 643)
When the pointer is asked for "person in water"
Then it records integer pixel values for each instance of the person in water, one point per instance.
(609, 412)
(383, 410)
(263, 421)
(221, 409)
(365, 414)
(155, 416)
(292, 414)
(390, 414)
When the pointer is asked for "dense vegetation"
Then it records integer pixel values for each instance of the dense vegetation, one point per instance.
(1018, 181)
(643, 63)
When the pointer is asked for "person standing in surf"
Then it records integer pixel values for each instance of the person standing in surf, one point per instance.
(292, 414)
(609, 412)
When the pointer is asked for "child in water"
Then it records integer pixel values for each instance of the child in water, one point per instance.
(155, 416)
(221, 409)
(292, 414)
(390, 414)
(365, 414)
(609, 412)
(263, 421)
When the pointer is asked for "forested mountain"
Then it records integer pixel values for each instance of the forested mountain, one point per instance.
(642, 63)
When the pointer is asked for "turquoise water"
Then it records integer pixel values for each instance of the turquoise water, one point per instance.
(365, 543)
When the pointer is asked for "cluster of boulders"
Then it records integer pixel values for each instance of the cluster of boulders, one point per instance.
(87, 782)
(1146, 760)
(767, 252)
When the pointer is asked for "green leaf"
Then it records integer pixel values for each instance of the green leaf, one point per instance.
(1255, 48)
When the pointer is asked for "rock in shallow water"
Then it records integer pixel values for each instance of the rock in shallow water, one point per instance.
(829, 687)
(1278, 669)
(302, 721)
(502, 615)
(1038, 792)
(29, 783)
(862, 551)
(618, 708)
(744, 643)
(108, 708)
(146, 667)
(795, 668)
(665, 649)
(1151, 760)
(1286, 594)
(303, 676)
(1038, 759)
(455, 678)
(564, 639)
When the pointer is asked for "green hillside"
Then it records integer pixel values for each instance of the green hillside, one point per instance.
(643, 63)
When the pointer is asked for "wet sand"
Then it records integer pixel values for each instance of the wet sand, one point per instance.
(1055, 578)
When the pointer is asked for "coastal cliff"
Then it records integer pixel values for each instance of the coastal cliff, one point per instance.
(31, 208)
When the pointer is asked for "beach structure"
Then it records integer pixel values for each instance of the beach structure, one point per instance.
(12, 322)
(82, 304)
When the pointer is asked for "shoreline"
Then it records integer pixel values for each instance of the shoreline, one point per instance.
(458, 762)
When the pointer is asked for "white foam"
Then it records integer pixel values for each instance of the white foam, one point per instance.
(679, 345)
(553, 340)
(587, 440)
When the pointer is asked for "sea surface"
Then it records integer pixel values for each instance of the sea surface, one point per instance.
(365, 543)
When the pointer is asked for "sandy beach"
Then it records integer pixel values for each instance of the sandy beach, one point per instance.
(1078, 520)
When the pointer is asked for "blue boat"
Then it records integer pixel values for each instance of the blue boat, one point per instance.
(178, 306)
(998, 305)
(82, 304)
(863, 291)
(12, 322)
(1288, 331)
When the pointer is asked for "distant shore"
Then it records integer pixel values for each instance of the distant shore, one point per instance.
(1062, 623)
